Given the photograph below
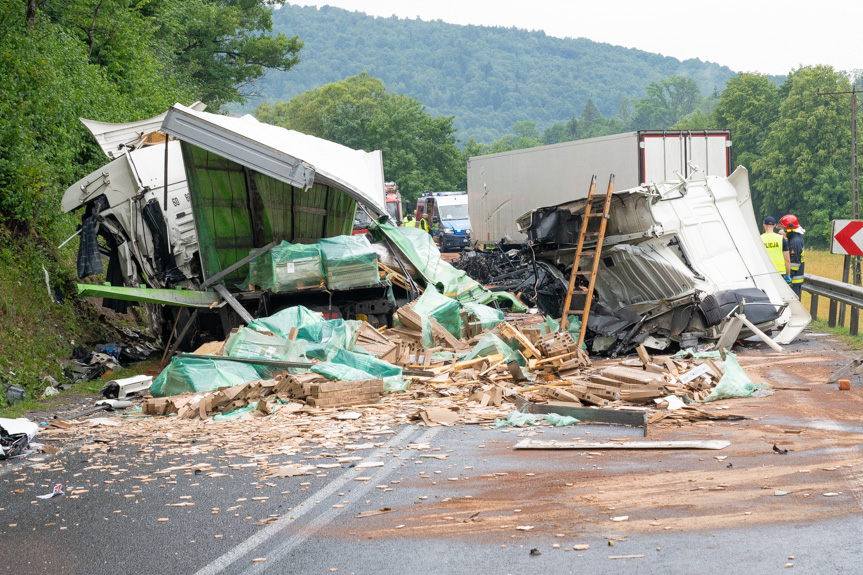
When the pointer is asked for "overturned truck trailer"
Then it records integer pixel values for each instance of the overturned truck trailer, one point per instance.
(243, 187)
(677, 260)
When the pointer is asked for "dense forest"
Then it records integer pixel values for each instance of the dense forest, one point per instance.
(488, 78)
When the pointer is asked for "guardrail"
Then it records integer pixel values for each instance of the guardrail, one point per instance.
(840, 295)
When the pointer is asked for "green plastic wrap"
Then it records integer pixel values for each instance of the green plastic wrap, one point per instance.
(260, 272)
(236, 413)
(350, 366)
(192, 374)
(349, 261)
(504, 297)
(422, 252)
(281, 323)
(734, 382)
(294, 266)
(443, 309)
(490, 344)
(249, 343)
(487, 317)
(325, 338)
(519, 419)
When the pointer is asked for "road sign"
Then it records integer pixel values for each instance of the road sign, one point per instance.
(847, 237)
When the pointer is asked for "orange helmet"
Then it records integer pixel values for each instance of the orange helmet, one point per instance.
(790, 222)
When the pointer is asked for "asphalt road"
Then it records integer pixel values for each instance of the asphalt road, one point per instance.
(467, 502)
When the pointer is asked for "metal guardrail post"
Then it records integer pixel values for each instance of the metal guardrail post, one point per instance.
(813, 306)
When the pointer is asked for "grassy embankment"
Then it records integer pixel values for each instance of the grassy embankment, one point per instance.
(37, 334)
(827, 265)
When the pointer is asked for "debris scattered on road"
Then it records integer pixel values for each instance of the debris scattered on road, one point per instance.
(58, 490)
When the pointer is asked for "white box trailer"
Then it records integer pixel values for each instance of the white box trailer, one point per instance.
(502, 187)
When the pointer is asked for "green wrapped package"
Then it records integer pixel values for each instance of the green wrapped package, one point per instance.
(490, 344)
(350, 366)
(443, 309)
(280, 323)
(295, 266)
(349, 261)
(249, 343)
(260, 272)
(326, 338)
(486, 316)
(192, 374)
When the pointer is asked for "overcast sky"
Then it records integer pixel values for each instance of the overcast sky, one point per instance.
(768, 36)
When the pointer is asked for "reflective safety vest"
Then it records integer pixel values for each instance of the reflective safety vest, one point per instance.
(773, 243)
(423, 224)
(409, 224)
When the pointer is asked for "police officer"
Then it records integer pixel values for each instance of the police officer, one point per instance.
(777, 248)
(422, 222)
(409, 221)
(796, 250)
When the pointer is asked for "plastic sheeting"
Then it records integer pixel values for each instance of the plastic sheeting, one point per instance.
(349, 366)
(294, 266)
(734, 382)
(519, 419)
(249, 343)
(445, 310)
(349, 261)
(487, 316)
(490, 344)
(324, 339)
(281, 323)
(192, 374)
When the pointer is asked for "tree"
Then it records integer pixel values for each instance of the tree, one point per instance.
(419, 150)
(748, 106)
(668, 101)
(806, 155)
(217, 47)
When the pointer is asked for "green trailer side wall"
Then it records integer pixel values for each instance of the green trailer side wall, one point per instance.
(223, 211)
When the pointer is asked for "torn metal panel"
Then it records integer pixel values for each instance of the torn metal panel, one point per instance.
(681, 256)
(117, 139)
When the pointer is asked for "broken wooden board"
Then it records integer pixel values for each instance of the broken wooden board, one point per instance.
(526, 346)
(582, 445)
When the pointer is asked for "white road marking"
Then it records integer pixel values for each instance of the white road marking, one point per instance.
(224, 561)
(328, 516)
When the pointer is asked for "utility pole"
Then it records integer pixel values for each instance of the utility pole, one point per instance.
(851, 262)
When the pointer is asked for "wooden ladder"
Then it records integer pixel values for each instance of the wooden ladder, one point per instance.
(589, 216)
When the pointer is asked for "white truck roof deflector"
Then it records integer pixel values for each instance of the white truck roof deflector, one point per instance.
(286, 155)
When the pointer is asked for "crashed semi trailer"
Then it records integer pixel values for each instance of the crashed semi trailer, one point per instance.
(501, 187)
(678, 260)
(252, 185)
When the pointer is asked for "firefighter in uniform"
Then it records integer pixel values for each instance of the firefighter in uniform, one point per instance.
(796, 249)
(409, 221)
(777, 248)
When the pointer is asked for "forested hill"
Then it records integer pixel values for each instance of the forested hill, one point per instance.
(488, 78)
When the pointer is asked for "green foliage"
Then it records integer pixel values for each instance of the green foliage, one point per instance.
(489, 78)
(748, 107)
(419, 150)
(668, 101)
(806, 155)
